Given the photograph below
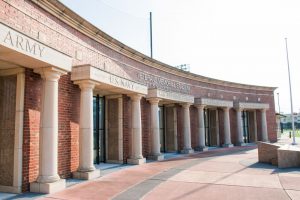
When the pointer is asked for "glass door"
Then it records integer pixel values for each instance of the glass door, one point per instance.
(207, 127)
(161, 117)
(99, 134)
(246, 134)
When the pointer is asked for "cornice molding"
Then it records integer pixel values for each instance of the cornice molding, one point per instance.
(172, 96)
(251, 106)
(83, 73)
(213, 102)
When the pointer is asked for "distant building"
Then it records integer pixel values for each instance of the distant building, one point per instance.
(287, 121)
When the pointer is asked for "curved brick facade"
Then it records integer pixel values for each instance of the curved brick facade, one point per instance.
(44, 22)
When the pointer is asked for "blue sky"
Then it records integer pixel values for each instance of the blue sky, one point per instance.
(235, 40)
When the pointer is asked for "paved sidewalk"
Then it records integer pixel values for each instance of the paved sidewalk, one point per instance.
(217, 174)
(284, 139)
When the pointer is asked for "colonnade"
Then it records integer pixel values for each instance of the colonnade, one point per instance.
(48, 173)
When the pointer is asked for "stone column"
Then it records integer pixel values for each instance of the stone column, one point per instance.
(201, 129)
(48, 180)
(239, 119)
(255, 125)
(155, 137)
(186, 129)
(264, 128)
(217, 127)
(227, 134)
(136, 156)
(86, 169)
(175, 128)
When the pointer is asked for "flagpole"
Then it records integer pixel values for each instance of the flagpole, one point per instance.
(291, 98)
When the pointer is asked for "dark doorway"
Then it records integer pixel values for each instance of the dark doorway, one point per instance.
(207, 127)
(99, 129)
(211, 127)
(246, 134)
(161, 115)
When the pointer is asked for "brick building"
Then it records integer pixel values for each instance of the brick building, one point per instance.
(71, 96)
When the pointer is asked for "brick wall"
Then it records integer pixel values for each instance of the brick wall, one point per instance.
(28, 18)
(233, 126)
(146, 125)
(66, 39)
(32, 107)
(271, 120)
(68, 126)
(194, 125)
(126, 128)
(259, 128)
(221, 126)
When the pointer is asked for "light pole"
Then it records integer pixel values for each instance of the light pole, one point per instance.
(151, 48)
(291, 97)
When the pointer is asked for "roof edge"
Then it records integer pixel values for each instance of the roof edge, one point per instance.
(62, 12)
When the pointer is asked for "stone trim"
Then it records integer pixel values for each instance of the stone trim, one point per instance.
(65, 14)
(39, 54)
(172, 96)
(18, 140)
(213, 102)
(14, 71)
(100, 77)
(113, 96)
(18, 152)
(252, 106)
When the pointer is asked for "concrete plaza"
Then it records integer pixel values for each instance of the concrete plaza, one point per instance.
(230, 173)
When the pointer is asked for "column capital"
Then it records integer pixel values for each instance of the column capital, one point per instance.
(263, 110)
(226, 108)
(135, 97)
(200, 106)
(50, 73)
(239, 109)
(153, 100)
(86, 84)
(185, 105)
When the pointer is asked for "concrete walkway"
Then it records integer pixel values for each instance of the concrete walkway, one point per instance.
(217, 174)
(284, 139)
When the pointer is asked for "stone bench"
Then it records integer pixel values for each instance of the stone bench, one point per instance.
(267, 153)
(288, 156)
(282, 156)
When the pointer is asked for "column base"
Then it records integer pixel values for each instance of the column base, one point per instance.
(227, 145)
(87, 175)
(187, 151)
(241, 144)
(156, 157)
(48, 188)
(201, 149)
(136, 161)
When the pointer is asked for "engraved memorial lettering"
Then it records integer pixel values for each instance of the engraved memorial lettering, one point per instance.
(24, 44)
(153, 81)
(121, 82)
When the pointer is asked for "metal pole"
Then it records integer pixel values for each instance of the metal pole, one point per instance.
(151, 35)
(291, 99)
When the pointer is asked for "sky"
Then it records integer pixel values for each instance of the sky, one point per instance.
(234, 40)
